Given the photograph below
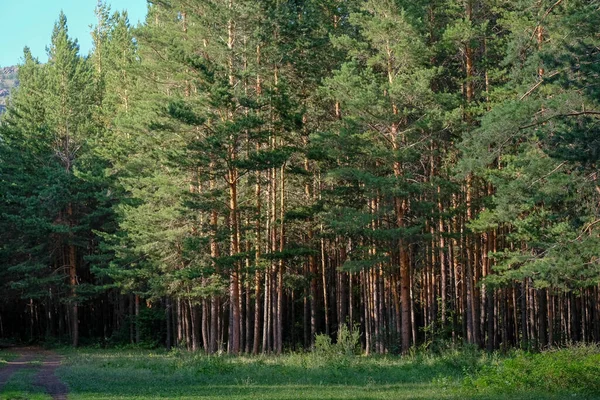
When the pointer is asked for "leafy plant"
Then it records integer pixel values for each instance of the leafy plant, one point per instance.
(347, 343)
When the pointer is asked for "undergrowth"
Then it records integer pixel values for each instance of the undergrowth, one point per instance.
(572, 371)
(335, 369)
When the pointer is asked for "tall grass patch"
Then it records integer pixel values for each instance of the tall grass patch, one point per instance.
(570, 371)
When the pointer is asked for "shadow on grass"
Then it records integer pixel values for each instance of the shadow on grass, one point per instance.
(21, 387)
(93, 375)
(136, 376)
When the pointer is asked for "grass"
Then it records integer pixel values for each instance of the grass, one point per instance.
(467, 373)
(6, 356)
(454, 374)
(20, 386)
(138, 375)
(572, 372)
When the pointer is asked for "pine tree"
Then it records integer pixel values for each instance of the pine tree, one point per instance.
(49, 122)
(384, 92)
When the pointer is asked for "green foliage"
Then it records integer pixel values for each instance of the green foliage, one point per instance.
(175, 155)
(571, 371)
(347, 344)
(453, 373)
(140, 374)
(53, 192)
(537, 150)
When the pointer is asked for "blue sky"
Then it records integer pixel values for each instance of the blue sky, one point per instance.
(30, 22)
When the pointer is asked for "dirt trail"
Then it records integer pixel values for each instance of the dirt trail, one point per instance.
(48, 379)
(45, 378)
(26, 354)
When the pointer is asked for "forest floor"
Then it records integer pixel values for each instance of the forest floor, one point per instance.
(135, 374)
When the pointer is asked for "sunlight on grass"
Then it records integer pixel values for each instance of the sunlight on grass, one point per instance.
(453, 374)
(6, 356)
(183, 375)
(574, 371)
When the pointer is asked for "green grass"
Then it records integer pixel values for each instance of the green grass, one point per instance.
(6, 356)
(138, 375)
(94, 374)
(20, 386)
(572, 373)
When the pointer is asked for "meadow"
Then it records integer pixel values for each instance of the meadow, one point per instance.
(130, 373)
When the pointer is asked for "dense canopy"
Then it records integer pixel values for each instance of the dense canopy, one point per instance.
(245, 175)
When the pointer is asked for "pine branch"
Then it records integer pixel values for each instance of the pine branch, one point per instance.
(573, 114)
(548, 11)
(537, 85)
(548, 174)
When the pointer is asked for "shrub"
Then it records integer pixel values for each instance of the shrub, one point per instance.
(572, 370)
(347, 343)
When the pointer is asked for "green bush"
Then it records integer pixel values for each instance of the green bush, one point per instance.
(572, 370)
(347, 343)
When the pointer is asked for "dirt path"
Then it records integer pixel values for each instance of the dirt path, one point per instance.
(45, 378)
(26, 354)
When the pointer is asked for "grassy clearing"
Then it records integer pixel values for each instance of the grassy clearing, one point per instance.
(132, 374)
(20, 386)
(454, 374)
(138, 375)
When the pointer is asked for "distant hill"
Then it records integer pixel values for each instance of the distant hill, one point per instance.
(8, 80)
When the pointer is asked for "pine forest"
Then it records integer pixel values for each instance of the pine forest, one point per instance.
(248, 176)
